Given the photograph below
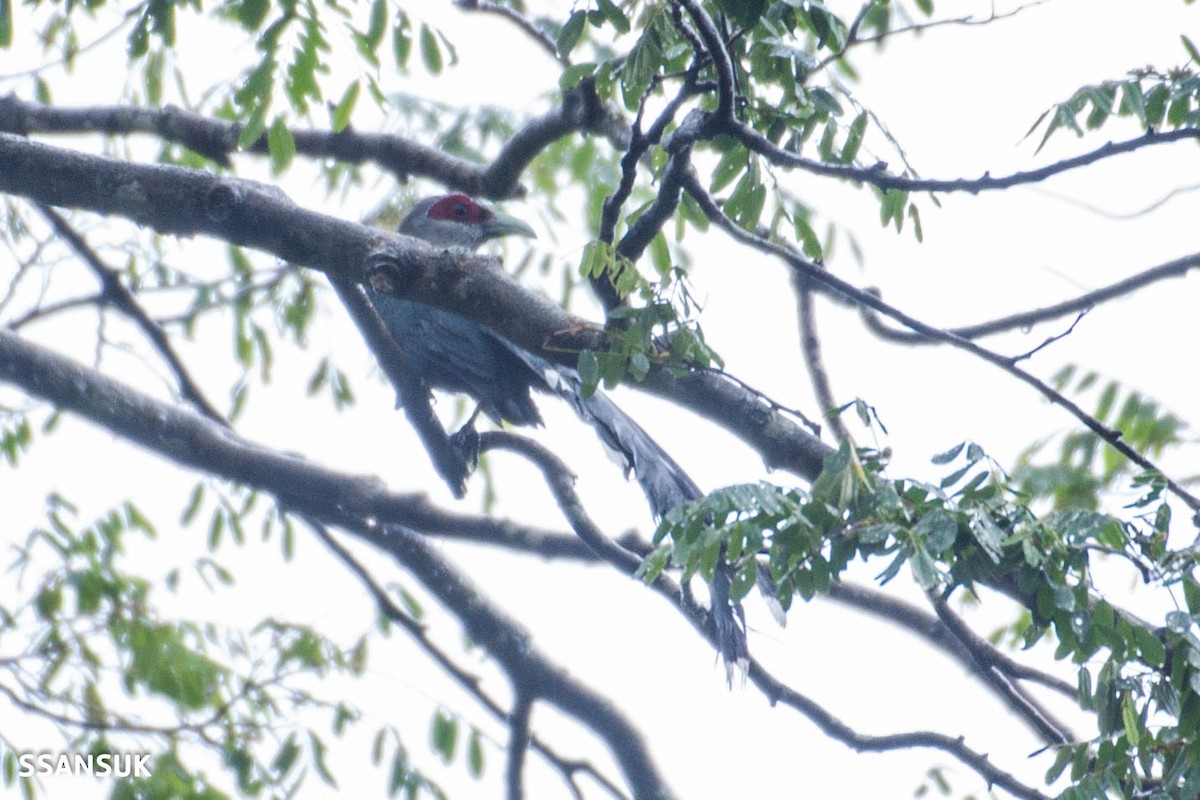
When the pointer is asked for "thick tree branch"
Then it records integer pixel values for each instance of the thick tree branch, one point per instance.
(185, 202)
(560, 481)
(358, 504)
(467, 681)
(363, 507)
(218, 139)
(525, 665)
(715, 49)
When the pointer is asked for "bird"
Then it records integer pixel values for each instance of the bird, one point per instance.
(452, 353)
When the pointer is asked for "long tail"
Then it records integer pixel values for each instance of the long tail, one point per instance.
(663, 481)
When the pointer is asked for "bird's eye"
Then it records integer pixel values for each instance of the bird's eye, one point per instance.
(460, 209)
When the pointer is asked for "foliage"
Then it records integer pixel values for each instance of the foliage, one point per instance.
(89, 648)
(89, 652)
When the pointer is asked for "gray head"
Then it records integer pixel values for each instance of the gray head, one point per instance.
(455, 220)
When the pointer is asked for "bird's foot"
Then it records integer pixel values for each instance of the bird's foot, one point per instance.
(466, 442)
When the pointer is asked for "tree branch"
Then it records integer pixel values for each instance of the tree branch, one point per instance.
(1029, 710)
(879, 177)
(363, 507)
(1176, 268)
(185, 202)
(218, 139)
(518, 744)
(521, 21)
(810, 346)
(411, 392)
(820, 276)
(935, 632)
(467, 681)
(115, 293)
(360, 505)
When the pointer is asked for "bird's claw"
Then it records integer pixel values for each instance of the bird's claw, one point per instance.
(466, 442)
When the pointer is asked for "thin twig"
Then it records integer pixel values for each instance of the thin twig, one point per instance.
(1028, 709)
(116, 294)
(1176, 268)
(837, 285)
(521, 21)
(810, 346)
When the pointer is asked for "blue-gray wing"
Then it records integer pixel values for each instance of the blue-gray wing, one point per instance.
(458, 355)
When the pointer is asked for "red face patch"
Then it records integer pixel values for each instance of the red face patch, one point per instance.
(459, 208)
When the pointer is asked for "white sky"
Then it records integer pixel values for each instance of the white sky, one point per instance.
(960, 100)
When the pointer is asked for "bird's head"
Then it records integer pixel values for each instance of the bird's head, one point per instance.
(455, 220)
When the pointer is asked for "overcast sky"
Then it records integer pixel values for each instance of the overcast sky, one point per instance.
(960, 100)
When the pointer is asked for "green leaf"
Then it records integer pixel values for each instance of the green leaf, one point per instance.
(892, 208)
(924, 569)
(1191, 593)
(1129, 718)
(286, 757)
(1178, 110)
(193, 505)
(614, 15)
(48, 602)
(1156, 104)
(6, 23)
(1132, 100)
(431, 53)
(660, 254)
(401, 40)
(280, 145)
(807, 236)
(570, 33)
(1179, 621)
(589, 371)
(939, 529)
(318, 749)
(745, 205)
(1190, 46)
(398, 774)
(729, 167)
(377, 24)
(572, 75)
(254, 128)
(1108, 397)
(475, 754)
(444, 735)
(345, 107)
(1150, 646)
(744, 12)
(1061, 760)
(989, 535)
(251, 13)
(949, 455)
(854, 138)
